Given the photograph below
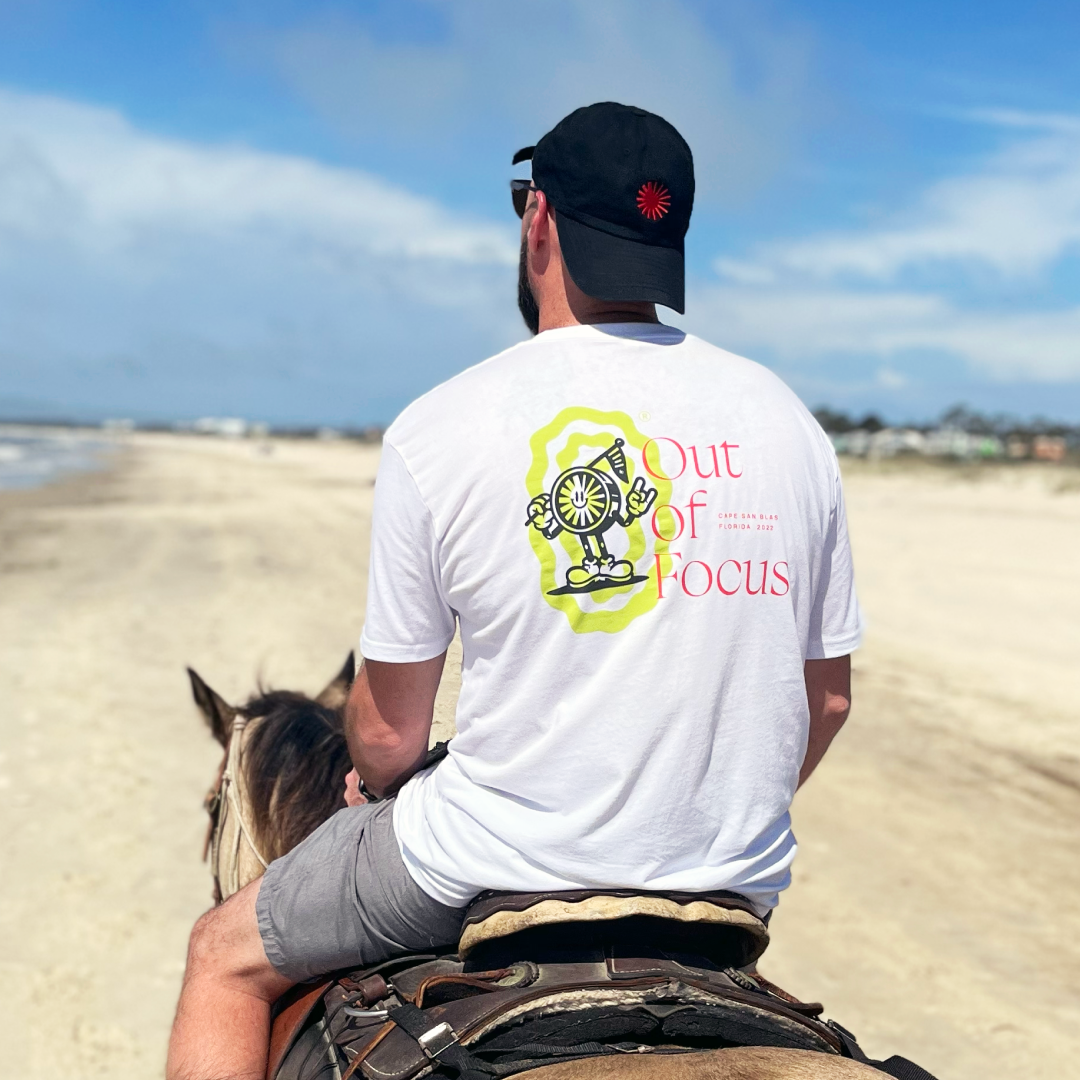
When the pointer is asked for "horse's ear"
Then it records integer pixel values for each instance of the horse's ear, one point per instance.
(219, 713)
(336, 691)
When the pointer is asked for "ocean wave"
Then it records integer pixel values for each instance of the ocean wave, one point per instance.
(31, 460)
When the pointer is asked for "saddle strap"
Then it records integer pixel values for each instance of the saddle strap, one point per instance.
(899, 1067)
(291, 1013)
(413, 1038)
(439, 1042)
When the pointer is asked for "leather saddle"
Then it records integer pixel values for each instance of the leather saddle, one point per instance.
(722, 923)
(548, 977)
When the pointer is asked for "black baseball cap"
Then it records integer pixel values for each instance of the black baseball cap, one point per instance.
(621, 181)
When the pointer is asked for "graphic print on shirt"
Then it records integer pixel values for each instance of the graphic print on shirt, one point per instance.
(586, 501)
(587, 497)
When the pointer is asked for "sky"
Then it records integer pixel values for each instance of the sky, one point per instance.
(299, 213)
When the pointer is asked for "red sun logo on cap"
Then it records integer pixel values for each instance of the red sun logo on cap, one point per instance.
(653, 200)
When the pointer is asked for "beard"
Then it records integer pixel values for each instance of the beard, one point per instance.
(526, 298)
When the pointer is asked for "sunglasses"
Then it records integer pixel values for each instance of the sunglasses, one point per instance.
(519, 193)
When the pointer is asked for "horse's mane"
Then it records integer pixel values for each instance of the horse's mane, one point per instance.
(295, 760)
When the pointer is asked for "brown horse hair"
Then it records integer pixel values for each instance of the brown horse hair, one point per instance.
(295, 761)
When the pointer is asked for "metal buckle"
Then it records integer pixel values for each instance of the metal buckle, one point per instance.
(438, 1039)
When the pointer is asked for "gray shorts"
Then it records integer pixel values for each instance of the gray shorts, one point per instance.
(343, 898)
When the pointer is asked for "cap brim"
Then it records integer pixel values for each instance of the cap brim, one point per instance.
(611, 268)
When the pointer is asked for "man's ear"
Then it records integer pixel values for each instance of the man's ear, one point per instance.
(219, 714)
(540, 221)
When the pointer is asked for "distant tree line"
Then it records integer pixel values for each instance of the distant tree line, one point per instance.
(957, 418)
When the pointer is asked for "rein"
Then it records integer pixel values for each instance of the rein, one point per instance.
(229, 786)
(227, 800)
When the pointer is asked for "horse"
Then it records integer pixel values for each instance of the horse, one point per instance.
(283, 774)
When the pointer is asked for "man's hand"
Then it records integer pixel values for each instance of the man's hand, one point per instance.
(828, 693)
(352, 790)
(388, 720)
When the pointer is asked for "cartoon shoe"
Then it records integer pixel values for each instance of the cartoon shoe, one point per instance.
(617, 570)
(577, 577)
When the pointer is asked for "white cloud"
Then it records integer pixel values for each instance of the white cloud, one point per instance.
(926, 281)
(87, 173)
(801, 326)
(1015, 216)
(742, 97)
(165, 276)
(214, 268)
(891, 380)
(1019, 118)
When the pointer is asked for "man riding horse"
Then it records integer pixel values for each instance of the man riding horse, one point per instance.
(642, 541)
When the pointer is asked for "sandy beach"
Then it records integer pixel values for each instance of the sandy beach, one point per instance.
(936, 902)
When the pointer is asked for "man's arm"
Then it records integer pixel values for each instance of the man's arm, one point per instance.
(828, 692)
(388, 720)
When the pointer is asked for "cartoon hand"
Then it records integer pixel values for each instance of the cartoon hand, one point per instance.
(638, 500)
(540, 515)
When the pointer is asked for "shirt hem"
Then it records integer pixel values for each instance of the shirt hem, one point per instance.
(416, 872)
(385, 653)
(762, 900)
(830, 650)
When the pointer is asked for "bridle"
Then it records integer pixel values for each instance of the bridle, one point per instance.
(227, 796)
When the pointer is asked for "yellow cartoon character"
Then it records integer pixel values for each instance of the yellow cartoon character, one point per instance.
(586, 500)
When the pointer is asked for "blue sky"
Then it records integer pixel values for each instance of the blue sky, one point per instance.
(298, 212)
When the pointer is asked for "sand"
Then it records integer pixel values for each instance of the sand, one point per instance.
(936, 902)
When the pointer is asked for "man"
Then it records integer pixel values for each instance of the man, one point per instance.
(642, 540)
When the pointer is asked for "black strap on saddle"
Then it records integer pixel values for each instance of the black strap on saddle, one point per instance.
(897, 1066)
(440, 1043)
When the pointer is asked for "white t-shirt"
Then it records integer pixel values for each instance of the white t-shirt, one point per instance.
(642, 538)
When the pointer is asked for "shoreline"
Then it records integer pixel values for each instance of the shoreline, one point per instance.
(34, 459)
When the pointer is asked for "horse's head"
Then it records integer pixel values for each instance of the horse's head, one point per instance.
(282, 776)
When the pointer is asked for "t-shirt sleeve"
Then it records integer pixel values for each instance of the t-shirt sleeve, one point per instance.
(836, 622)
(408, 618)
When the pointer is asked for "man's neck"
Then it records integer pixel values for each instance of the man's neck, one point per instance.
(562, 303)
(556, 315)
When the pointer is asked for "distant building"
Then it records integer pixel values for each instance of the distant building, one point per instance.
(957, 443)
(888, 442)
(231, 427)
(961, 434)
(856, 443)
(943, 442)
(1049, 448)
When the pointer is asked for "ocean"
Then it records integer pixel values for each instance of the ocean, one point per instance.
(30, 458)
